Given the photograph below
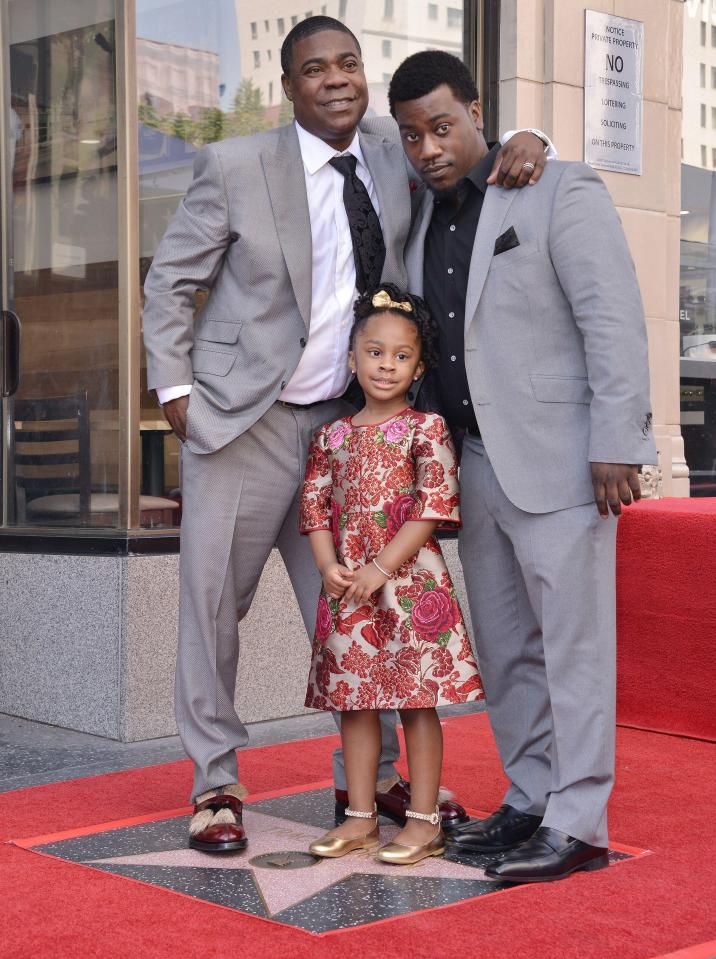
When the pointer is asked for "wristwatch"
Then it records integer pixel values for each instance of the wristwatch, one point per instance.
(541, 136)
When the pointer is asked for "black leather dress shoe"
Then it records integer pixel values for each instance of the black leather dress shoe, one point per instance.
(548, 855)
(504, 829)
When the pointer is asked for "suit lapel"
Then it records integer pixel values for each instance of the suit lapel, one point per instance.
(494, 210)
(283, 169)
(415, 251)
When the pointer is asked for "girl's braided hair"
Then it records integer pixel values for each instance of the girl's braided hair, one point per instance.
(418, 314)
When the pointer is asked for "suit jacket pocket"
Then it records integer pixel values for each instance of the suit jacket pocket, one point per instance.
(219, 331)
(212, 361)
(508, 257)
(560, 389)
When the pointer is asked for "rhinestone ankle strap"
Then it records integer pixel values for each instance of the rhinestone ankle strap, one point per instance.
(359, 814)
(433, 818)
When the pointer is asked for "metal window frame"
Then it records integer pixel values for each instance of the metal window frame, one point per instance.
(482, 54)
(5, 273)
(129, 281)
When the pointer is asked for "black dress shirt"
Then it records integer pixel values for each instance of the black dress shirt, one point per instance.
(448, 251)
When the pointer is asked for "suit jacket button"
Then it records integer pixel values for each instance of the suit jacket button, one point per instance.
(283, 384)
(302, 341)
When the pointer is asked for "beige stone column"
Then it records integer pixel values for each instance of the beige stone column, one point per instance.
(542, 84)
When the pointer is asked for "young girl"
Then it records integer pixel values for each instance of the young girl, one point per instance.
(389, 632)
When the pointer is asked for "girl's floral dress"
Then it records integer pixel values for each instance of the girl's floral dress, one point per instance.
(407, 647)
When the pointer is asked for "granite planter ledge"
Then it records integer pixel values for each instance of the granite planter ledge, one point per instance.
(89, 643)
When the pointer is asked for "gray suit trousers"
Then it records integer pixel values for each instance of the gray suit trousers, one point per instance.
(238, 503)
(541, 588)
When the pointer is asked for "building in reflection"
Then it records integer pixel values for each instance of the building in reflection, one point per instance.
(697, 292)
(173, 78)
(388, 31)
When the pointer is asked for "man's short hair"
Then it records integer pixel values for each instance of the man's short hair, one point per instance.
(306, 28)
(423, 72)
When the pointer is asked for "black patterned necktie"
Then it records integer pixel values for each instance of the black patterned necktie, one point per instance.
(366, 234)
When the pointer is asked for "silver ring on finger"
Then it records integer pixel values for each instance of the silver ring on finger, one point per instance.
(528, 165)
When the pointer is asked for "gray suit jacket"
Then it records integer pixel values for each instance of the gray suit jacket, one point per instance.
(243, 232)
(555, 339)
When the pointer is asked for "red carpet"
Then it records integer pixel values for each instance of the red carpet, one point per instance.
(641, 909)
(707, 950)
(666, 617)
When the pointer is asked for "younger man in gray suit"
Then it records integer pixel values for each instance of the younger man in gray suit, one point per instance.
(544, 373)
(281, 227)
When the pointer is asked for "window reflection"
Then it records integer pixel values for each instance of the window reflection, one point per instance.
(211, 70)
(697, 315)
(63, 423)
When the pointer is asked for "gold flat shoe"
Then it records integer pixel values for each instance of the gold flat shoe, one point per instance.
(333, 847)
(399, 855)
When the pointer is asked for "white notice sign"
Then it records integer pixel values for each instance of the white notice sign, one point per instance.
(613, 92)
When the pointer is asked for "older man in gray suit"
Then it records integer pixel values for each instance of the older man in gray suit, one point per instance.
(544, 372)
(281, 228)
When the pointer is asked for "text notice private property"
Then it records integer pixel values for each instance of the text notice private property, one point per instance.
(613, 92)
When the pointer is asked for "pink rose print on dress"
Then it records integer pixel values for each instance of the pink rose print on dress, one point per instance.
(395, 431)
(434, 613)
(399, 512)
(324, 620)
(337, 435)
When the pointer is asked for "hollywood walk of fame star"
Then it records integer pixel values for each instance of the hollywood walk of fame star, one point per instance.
(281, 888)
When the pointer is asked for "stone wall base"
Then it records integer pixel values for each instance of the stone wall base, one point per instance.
(89, 643)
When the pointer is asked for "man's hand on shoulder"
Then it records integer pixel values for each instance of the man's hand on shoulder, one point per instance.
(509, 169)
(175, 412)
(614, 484)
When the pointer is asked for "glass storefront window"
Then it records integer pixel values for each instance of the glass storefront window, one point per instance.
(698, 252)
(70, 231)
(60, 262)
(211, 70)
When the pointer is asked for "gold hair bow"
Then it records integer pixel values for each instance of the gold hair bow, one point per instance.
(382, 301)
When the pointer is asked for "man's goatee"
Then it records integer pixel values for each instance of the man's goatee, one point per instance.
(449, 193)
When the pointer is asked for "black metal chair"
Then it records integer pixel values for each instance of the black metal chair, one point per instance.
(52, 469)
(51, 458)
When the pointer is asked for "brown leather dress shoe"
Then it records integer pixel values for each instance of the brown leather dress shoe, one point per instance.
(394, 803)
(222, 836)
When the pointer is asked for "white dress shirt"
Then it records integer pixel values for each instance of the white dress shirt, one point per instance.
(322, 372)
